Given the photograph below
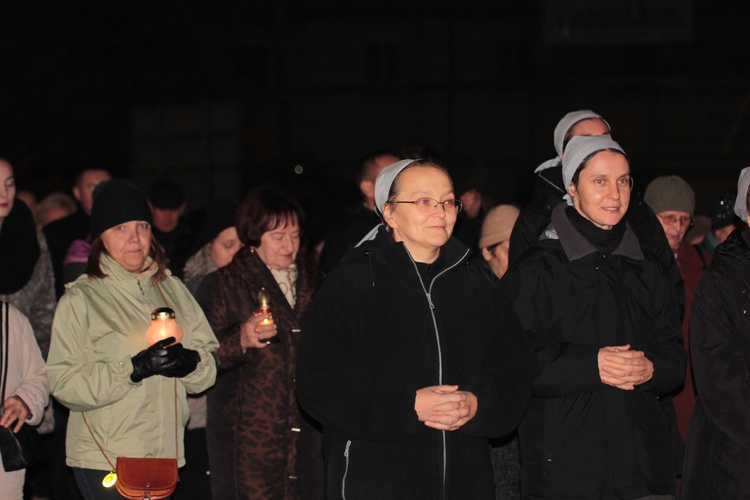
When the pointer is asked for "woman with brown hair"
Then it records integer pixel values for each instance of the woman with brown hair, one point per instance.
(259, 444)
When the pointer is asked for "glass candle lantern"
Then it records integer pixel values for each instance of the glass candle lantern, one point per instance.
(265, 307)
(163, 325)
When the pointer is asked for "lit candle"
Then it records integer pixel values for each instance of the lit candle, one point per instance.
(163, 325)
(265, 303)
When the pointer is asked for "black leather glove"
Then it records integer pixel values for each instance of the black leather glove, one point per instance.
(153, 360)
(185, 361)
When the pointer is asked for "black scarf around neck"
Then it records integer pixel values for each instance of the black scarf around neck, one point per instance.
(604, 240)
(19, 248)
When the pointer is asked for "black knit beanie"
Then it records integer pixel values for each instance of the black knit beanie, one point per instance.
(115, 202)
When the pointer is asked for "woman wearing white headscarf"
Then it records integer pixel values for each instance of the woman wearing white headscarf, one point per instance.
(604, 322)
(405, 360)
(717, 454)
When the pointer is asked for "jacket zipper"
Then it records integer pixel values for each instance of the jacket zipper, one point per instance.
(346, 469)
(428, 294)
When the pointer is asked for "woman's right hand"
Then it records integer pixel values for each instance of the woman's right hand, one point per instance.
(254, 334)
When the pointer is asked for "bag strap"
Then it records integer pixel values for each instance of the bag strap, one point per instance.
(176, 445)
(85, 420)
(4, 338)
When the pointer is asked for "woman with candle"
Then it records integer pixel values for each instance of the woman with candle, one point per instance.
(122, 394)
(602, 316)
(260, 446)
(405, 361)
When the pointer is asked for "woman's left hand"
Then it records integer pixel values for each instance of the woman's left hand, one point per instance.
(15, 411)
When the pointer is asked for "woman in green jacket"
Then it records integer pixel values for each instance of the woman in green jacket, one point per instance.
(122, 394)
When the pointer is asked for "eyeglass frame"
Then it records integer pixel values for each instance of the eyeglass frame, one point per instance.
(682, 219)
(457, 203)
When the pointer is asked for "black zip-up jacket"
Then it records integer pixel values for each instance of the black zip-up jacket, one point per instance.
(581, 438)
(376, 334)
(717, 455)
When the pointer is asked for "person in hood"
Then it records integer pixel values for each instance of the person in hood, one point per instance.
(405, 360)
(603, 320)
(717, 450)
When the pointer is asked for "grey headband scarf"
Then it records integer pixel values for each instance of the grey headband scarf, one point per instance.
(382, 187)
(565, 124)
(740, 204)
(578, 149)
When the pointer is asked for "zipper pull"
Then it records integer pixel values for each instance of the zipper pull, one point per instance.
(429, 300)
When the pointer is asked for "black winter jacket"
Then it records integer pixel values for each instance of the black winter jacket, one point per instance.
(548, 193)
(581, 438)
(375, 335)
(717, 457)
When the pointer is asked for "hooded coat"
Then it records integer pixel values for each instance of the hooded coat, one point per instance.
(717, 455)
(377, 332)
(259, 443)
(581, 438)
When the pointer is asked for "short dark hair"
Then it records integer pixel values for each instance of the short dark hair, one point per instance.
(94, 268)
(368, 165)
(263, 209)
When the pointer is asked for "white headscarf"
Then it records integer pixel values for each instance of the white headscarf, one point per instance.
(382, 187)
(578, 149)
(568, 121)
(740, 204)
(561, 129)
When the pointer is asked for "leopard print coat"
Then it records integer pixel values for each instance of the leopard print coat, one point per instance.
(260, 445)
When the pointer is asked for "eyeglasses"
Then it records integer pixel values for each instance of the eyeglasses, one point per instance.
(429, 205)
(671, 219)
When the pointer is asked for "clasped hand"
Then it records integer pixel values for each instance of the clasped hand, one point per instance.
(444, 407)
(623, 368)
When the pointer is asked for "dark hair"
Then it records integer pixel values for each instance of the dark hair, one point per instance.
(368, 165)
(569, 133)
(94, 268)
(585, 162)
(83, 170)
(263, 209)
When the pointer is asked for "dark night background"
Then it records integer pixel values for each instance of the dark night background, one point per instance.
(223, 95)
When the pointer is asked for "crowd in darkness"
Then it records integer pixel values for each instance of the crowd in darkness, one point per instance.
(433, 342)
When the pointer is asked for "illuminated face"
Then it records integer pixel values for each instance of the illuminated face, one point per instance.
(7, 189)
(278, 248)
(603, 192)
(676, 225)
(423, 233)
(222, 248)
(129, 244)
(84, 190)
(497, 257)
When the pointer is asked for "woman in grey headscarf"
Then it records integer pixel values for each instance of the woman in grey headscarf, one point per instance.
(604, 323)
(405, 360)
(717, 451)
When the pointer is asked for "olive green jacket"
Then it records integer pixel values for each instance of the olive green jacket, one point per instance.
(99, 325)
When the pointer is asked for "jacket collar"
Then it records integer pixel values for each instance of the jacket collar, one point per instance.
(115, 271)
(396, 252)
(577, 247)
